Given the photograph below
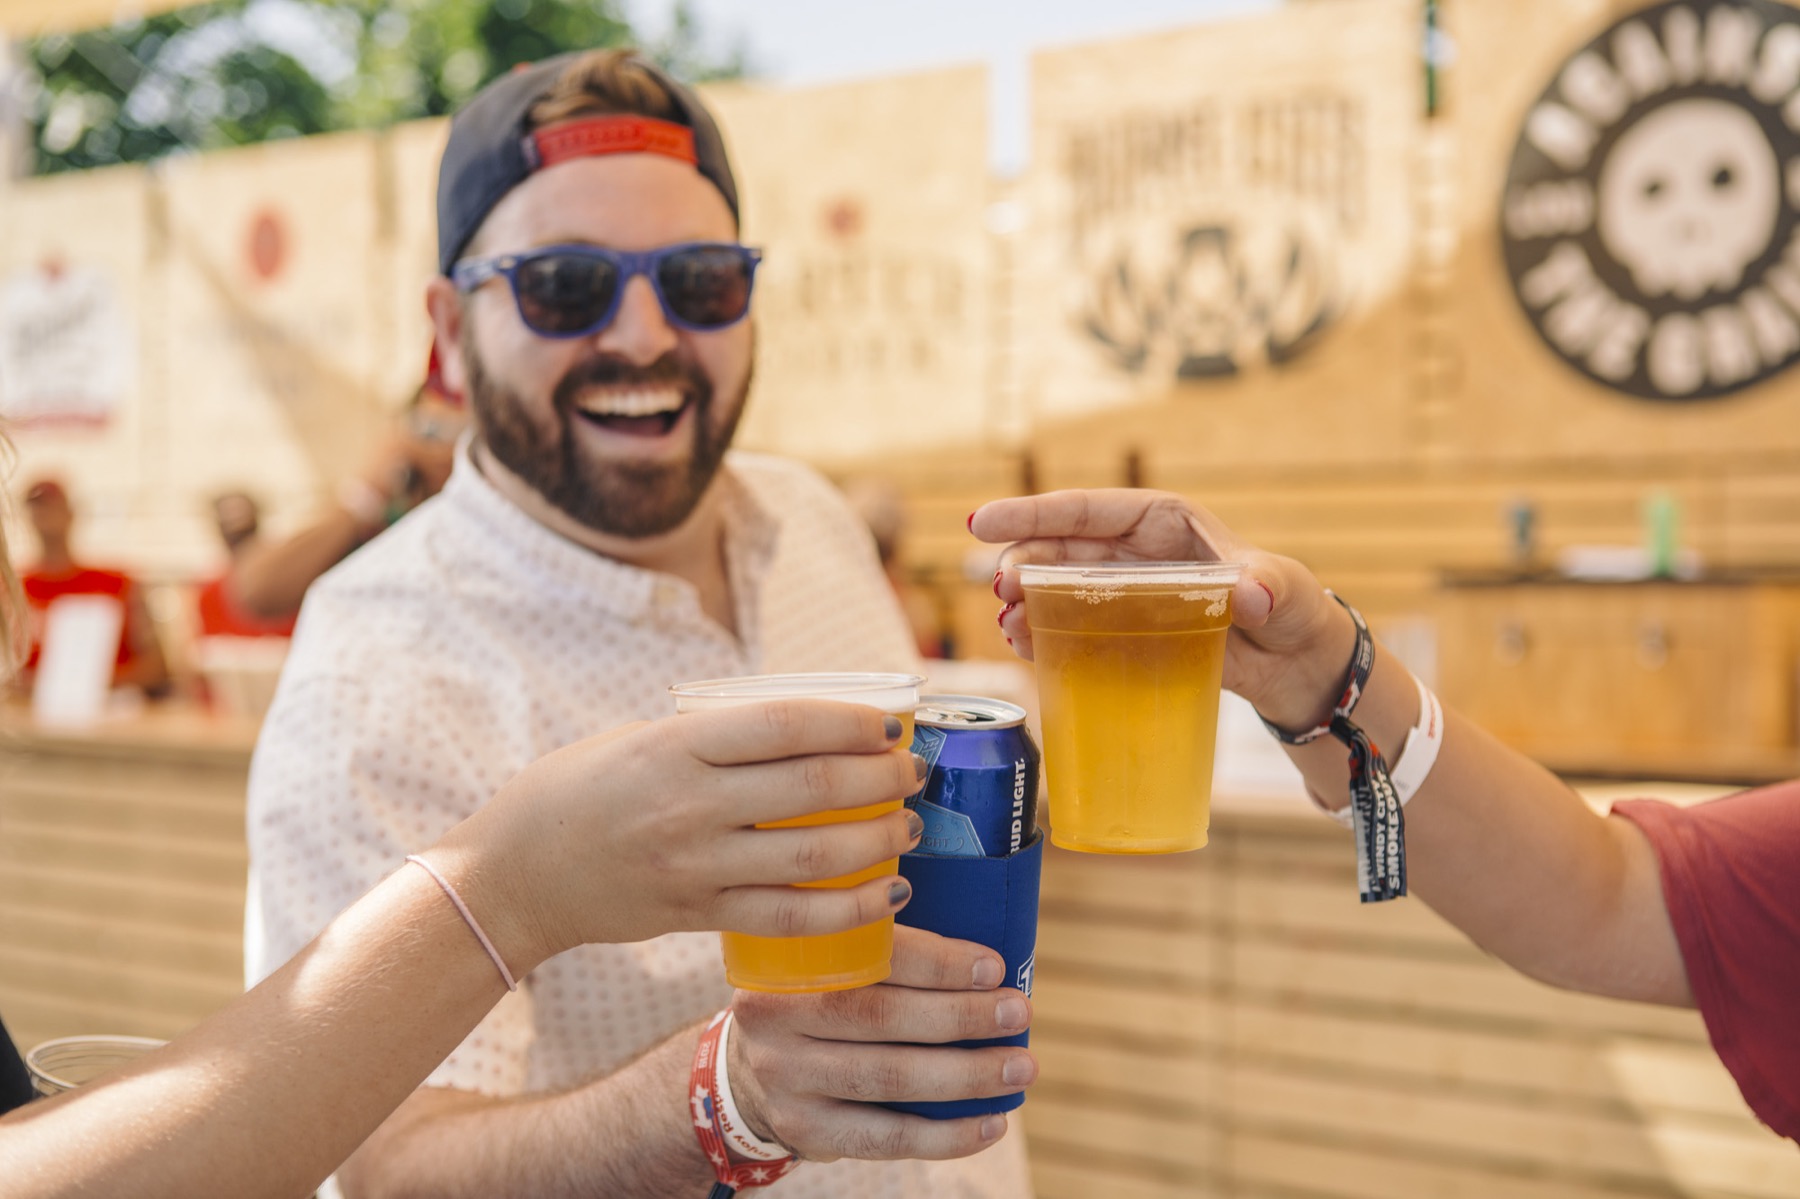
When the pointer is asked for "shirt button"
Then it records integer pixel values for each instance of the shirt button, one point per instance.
(666, 594)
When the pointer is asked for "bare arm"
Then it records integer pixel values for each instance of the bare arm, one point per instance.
(629, 1135)
(150, 666)
(318, 1047)
(1504, 850)
(1495, 843)
(269, 578)
(267, 1096)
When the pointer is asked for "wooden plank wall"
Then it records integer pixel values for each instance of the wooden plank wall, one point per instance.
(1233, 1023)
(121, 888)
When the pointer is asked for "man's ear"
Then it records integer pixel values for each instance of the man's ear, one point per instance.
(444, 305)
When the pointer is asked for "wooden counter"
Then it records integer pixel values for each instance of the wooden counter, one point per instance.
(122, 863)
(1225, 1023)
(1660, 678)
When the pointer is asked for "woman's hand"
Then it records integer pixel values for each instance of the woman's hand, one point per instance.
(649, 829)
(1289, 642)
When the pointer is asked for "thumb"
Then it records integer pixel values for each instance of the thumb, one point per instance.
(1266, 584)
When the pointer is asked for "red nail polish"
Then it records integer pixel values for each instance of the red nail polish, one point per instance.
(1268, 593)
(997, 577)
(1001, 620)
(970, 522)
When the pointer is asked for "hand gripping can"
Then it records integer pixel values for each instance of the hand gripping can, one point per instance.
(975, 873)
(980, 796)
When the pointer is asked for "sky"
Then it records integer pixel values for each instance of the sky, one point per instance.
(823, 41)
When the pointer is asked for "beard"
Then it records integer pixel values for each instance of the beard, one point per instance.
(617, 498)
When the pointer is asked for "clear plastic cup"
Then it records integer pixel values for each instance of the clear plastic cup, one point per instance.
(833, 961)
(1129, 662)
(70, 1062)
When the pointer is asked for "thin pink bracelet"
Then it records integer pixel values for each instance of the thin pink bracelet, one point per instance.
(468, 918)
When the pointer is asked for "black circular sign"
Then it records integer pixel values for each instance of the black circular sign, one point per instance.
(1651, 209)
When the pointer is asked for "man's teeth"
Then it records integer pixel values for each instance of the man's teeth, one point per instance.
(632, 403)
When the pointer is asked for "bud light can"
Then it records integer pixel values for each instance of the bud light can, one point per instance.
(980, 794)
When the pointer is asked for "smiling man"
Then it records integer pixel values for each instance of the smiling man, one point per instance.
(596, 543)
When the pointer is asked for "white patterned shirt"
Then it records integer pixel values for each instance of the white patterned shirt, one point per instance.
(470, 640)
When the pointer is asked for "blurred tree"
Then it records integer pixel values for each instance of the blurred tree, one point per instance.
(232, 72)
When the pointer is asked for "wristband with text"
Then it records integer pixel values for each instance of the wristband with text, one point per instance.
(1418, 754)
(723, 1137)
(1374, 804)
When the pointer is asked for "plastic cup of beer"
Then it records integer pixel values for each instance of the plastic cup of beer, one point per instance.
(70, 1062)
(832, 961)
(1129, 661)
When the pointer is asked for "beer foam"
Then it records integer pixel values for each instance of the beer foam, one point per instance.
(1215, 601)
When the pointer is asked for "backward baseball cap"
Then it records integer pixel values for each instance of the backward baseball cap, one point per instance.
(490, 152)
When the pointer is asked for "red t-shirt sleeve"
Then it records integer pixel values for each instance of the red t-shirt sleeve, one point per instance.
(1731, 878)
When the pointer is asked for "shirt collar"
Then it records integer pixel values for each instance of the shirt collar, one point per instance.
(518, 550)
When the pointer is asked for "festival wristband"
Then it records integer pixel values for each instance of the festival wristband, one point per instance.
(1374, 804)
(1418, 754)
(708, 1096)
(738, 1137)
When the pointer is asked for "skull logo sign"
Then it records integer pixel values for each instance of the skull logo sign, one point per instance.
(1649, 221)
(1689, 197)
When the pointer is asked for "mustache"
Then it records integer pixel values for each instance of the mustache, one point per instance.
(609, 370)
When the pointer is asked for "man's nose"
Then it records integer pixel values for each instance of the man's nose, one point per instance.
(639, 332)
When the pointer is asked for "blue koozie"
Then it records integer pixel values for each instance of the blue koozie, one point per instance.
(993, 902)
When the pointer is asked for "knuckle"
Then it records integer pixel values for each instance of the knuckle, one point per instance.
(869, 1008)
(974, 1018)
(812, 858)
(870, 1081)
(875, 1142)
(789, 915)
(818, 778)
(783, 721)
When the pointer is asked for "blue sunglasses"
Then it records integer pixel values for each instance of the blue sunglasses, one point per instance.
(574, 290)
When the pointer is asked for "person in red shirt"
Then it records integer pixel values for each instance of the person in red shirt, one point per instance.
(217, 605)
(1687, 906)
(140, 661)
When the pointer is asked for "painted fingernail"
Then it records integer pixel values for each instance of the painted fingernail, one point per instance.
(892, 726)
(1268, 593)
(899, 892)
(993, 1128)
(988, 972)
(921, 767)
(998, 574)
(1010, 1013)
(1004, 613)
(1009, 643)
(915, 825)
(970, 522)
(1018, 1071)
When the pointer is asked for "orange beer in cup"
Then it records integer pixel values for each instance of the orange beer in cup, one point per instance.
(832, 961)
(1129, 661)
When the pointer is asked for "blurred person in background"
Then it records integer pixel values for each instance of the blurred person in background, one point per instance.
(238, 518)
(268, 578)
(56, 573)
(1693, 906)
(594, 545)
(266, 1096)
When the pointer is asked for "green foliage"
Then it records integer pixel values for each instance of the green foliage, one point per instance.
(233, 72)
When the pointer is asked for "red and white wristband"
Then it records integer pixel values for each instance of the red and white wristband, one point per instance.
(740, 1159)
(1418, 754)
